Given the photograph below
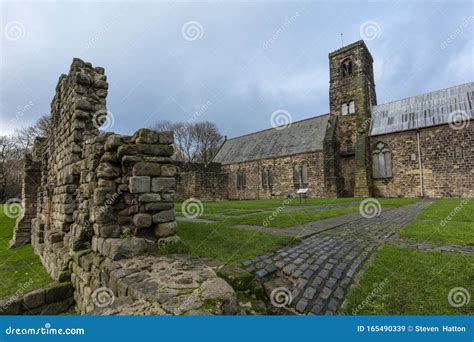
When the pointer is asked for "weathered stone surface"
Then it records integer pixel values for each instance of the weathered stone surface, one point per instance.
(142, 220)
(139, 184)
(146, 169)
(107, 171)
(162, 184)
(34, 299)
(146, 136)
(166, 137)
(164, 216)
(165, 229)
(168, 170)
(149, 198)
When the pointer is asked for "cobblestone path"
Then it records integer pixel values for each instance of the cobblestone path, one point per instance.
(323, 266)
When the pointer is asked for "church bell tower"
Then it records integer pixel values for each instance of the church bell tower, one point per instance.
(346, 145)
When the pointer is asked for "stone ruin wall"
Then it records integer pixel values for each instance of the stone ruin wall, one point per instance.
(96, 196)
(197, 180)
(98, 210)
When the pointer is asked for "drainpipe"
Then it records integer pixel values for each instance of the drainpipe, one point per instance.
(420, 164)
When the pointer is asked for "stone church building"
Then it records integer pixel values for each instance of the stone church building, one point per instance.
(422, 146)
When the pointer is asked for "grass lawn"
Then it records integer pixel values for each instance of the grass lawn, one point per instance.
(231, 245)
(431, 224)
(401, 281)
(20, 269)
(291, 213)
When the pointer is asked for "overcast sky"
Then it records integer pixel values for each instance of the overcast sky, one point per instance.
(234, 63)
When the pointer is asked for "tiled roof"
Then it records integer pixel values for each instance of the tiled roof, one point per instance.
(301, 136)
(435, 108)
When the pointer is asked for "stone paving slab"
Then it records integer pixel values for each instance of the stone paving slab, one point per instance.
(192, 219)
(307, 229)
(431, 247)
(323, 266)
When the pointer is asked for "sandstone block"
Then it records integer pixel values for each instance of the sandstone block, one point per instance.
(162, 184)
(168, 170)
(166, 137)
(34, 299)
(165, 229)
(146, 136)
(148, 198)
(142, 220)
(108, 171)
(159, 206)
(139, 184)
(146, 169)
(164, 216)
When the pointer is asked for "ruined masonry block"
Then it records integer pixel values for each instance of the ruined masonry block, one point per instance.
(164, 216)
(146, 169)
(142, 220)
(149, 198)
(168, 170)
(146, 136)
(165, 229)
(139, 184)
(162, 184)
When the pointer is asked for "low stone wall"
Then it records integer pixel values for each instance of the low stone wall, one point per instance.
(55, 299)
(196, 180)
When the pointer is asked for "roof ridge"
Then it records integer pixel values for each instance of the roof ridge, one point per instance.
(271, 128)
(429, 92)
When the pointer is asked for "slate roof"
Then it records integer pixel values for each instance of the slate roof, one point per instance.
(431, 109)
(300, 137)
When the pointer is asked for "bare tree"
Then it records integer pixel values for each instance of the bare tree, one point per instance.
(208, 140)
(24, 137)
(194, 141)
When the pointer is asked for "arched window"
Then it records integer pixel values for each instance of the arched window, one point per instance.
(346, 67)
(344, 109)
(382, 161)
(267, 178)
(304, 175)
(296, 176)
(352, 107)
(264, 179)
(241, 180)
(300, 176)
